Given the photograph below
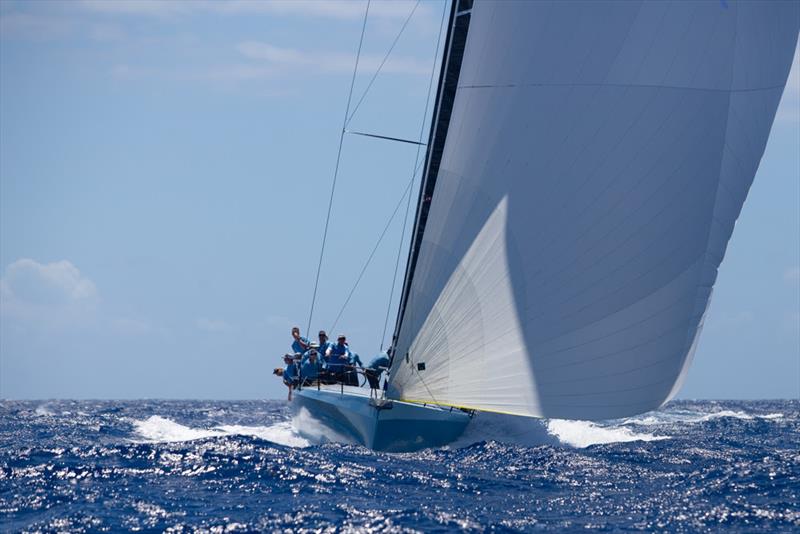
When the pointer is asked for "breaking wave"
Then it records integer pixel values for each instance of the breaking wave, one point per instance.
(691, 417)
(530, 432)
(585, 433)
(157, 429)
(314, 431)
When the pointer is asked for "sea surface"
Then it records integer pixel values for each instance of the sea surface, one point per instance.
(186, 466)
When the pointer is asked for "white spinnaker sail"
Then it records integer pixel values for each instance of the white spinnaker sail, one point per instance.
(597, 157)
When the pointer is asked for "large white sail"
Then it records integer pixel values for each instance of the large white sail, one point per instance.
(595, 162)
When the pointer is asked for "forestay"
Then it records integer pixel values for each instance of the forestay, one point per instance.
(597, 157)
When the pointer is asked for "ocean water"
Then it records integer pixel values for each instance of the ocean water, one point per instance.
(186, 466)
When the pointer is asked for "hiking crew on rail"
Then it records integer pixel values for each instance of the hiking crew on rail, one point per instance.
(324, 362)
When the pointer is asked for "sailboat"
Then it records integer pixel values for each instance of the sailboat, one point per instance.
(585, 167)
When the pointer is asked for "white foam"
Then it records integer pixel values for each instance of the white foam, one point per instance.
(315, 431)
(161, 430)
(43, 411)
(281, 433)
(530, 432)
(666, 417)
(157, 429)
(584, 433)
(524, 431)
(722, 413)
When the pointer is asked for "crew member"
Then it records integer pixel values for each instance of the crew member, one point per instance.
(324, 347)
(300, 344)
(373, 371)
(355, 360)
(288, 373)
(339, 358)
(310, 370)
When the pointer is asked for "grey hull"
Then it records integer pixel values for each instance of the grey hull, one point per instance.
(404, 427)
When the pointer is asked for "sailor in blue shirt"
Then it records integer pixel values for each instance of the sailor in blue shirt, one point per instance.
(324, 347)
(289, 373)
(311, 368)
(373, 371)
(300, 344)
(355, 360)
(339, 355)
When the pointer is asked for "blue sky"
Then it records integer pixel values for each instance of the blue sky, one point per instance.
(164, 176)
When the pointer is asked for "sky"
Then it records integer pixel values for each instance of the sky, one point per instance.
(165, 170)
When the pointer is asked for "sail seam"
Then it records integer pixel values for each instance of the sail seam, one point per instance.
(621, 86)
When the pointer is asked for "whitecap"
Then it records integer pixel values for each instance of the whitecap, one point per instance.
(510, 429)
(315, 431)
(690, 417)
(585, 433)
(43, 411)
(157, 429)
(280, 433)
(162, 430)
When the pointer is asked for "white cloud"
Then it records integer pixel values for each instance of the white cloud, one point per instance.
(47, 293)
(60, 281)
(329, 61)
(56, 296)
(214, 325)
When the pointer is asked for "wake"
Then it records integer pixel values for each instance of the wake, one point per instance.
(529, 432)
(303, 430)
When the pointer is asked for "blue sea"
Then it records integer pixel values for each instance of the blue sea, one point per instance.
(211, 466)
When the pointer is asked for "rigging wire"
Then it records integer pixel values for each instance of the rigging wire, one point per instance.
(374, 249)
(336, 168)
(413, 175)
(369, 85)
(398, 139)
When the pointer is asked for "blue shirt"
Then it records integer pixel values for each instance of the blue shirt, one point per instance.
(290, 373)
(307, 355)
(323, 348)
(355, 360)
(340, 356)
(310, 371)
(298, 347)
(379, 361)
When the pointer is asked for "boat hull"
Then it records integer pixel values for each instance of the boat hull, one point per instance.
(404, 427)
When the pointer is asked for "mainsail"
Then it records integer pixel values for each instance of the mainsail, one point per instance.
(591, 165)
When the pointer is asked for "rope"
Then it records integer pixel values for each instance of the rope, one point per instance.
(413, 175)
(426, 387)
(364, 94)
(336, 168)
